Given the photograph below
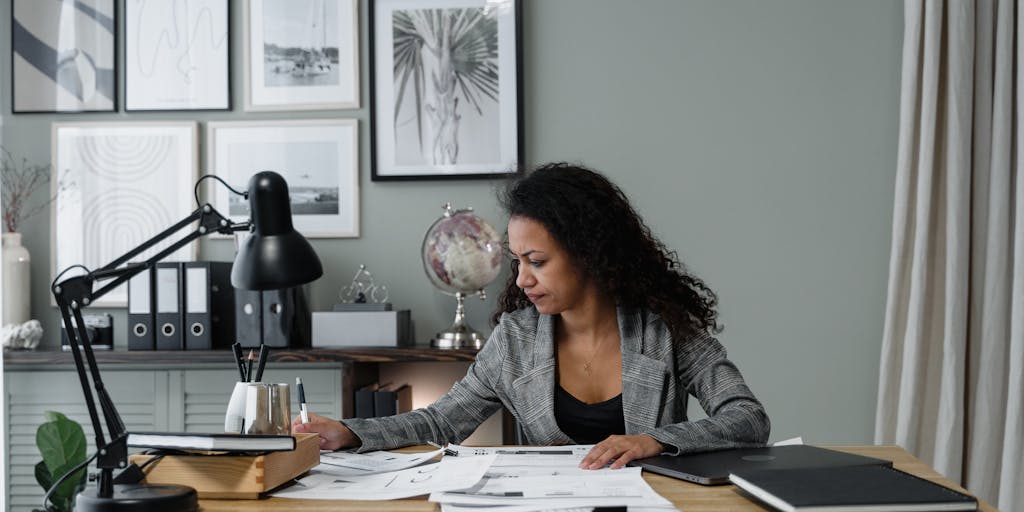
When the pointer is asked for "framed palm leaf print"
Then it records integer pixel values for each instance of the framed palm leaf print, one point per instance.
(445, 89)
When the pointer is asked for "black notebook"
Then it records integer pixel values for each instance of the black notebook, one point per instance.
(211, 442)
(849, 489)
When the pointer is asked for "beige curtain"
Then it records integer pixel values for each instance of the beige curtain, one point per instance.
(951, 385)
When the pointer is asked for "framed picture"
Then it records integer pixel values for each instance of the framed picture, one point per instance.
(63, 57)
(176, 55)
(445, 89)
(318, 158)
(120, 185)
(301, 54)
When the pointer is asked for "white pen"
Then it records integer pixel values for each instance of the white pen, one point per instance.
(303, 412)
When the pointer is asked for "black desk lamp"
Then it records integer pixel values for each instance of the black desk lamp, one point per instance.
(274, 256)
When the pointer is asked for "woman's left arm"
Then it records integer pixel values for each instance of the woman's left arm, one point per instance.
(736, 419)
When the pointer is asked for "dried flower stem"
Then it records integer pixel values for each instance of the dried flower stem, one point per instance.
(18, 185)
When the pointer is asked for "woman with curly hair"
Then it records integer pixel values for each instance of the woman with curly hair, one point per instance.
(601, 334)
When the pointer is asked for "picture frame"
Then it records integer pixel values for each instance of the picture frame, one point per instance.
(301, 56)
(319, 158)
(63, 56)
(177, 55)
(470, 126)
(118, 184)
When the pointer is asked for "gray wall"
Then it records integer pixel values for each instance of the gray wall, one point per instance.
(757, 138)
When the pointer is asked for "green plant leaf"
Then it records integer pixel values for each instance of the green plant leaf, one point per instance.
(43, 477)
(61, 441)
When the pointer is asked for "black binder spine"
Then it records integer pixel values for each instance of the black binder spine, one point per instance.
(222, 305)
(140, 311)
(197, 327)
(248, 317)
(168, 306)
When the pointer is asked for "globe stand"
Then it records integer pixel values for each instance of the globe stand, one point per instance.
(460, 334)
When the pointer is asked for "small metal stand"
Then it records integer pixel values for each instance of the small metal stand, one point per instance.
(460, 334)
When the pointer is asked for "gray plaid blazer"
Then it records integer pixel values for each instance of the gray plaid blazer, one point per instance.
(516, 370)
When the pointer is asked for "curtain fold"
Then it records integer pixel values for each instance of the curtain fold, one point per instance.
(951, 386)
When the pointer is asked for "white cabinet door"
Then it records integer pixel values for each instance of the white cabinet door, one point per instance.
(140, 398)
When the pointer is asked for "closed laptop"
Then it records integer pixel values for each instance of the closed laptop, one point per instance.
(713, 468)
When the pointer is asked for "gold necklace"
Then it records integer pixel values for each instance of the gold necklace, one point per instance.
(588, 365)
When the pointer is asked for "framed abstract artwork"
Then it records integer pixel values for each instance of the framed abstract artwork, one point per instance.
(177, 55)
(301, 54)
(120, 185)
(318, 158)
(445, 89)
(63, 56)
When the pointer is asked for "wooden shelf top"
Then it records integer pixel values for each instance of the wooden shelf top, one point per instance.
(14, 358)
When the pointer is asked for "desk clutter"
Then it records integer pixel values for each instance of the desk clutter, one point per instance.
(531, 478)
(233, 476)
(193, 306)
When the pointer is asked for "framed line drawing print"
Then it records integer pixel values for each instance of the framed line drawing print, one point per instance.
(301, 54)
(445, 89)
(318, 158)
(63, 56)
(177, 55)
(122, 184)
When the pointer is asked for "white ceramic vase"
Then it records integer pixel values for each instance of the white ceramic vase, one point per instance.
(17, 300)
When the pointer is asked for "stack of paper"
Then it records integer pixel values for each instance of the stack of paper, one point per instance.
(333, 482)
(547, 478)
(511, 479)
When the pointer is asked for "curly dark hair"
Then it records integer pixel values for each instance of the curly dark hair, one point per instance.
(608, 241)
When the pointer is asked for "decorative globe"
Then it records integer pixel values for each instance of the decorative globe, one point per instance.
(461, 255)
(461, 252)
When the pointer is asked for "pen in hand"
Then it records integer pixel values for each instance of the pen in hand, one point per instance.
(303, 411)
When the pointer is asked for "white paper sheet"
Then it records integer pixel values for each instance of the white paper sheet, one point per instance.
(351, 464)
(449, 474)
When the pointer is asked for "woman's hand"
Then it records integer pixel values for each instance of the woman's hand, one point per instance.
(622, 449)
(333, 433)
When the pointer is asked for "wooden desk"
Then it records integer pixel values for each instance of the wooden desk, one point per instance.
(686, 496)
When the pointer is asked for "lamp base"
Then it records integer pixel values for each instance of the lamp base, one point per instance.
(141, 498)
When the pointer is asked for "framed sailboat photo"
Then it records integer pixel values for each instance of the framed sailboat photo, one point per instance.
(301, 54)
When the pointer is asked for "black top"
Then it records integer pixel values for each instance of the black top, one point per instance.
(588, 423)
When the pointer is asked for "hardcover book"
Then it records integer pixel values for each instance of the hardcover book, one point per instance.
(849, 489)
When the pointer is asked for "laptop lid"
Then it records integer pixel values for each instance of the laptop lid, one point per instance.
(712, 468)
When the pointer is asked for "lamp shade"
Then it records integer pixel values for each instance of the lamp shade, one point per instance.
(274, 256)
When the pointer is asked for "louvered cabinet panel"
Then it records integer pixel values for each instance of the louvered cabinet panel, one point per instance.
(140, 397)
(206, 394)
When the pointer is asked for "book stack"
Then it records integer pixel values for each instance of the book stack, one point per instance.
(376, 400)
(249, 466)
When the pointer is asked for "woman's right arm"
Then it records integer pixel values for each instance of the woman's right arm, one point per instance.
(333, 434)
(452, 418)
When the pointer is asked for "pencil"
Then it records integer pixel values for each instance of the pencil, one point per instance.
(252, 357)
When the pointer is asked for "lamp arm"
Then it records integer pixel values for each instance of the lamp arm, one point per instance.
(74, 293)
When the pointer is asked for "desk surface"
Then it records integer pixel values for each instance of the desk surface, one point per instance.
(686, 496)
